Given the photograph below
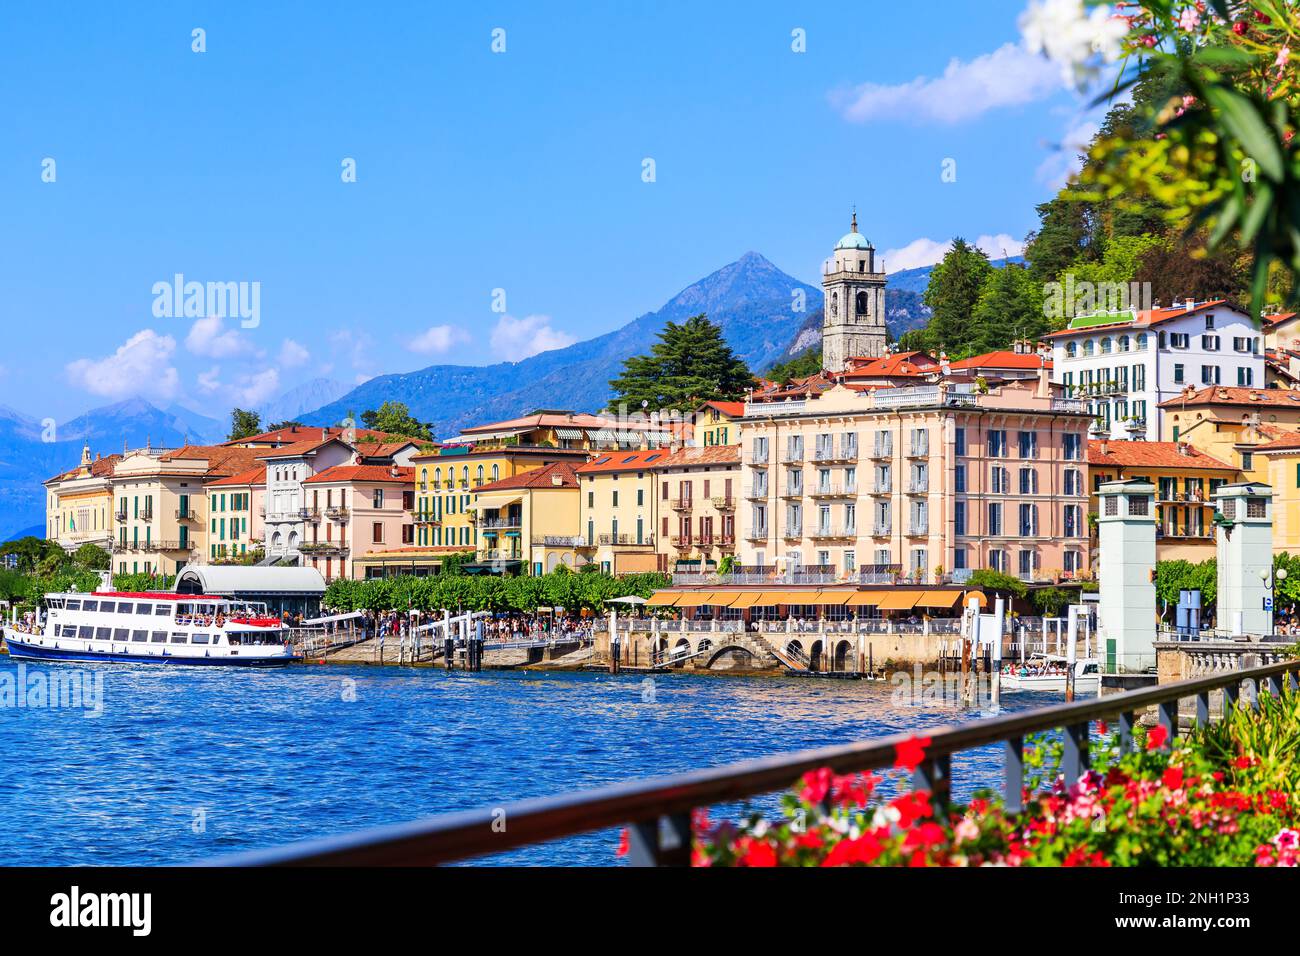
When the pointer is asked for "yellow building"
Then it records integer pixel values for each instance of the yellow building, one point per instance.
(1280, 460)
(718, 423)
(1185, 479)
(621, 508)
(1229, 423)
(700, 488)
(516, 518)
(79, 503)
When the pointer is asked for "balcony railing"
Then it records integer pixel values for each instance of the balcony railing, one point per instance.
(422, 517)
(337, 512)
(757, 533)
(497, 524)
(560, 541)
(119, 516)
(917, 528)
(309, 514)
(879, 573)
(879, 530)
(833, 531)
(792, 531)
(756, 492)
(682, 504)
(625, 541)
(882, 451)
(792, 491)
(323, 548)
(830, 491)
(187, 514)
(724, 503)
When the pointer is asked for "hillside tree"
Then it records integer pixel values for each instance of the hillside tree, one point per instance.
(691, 363)
(244, 424)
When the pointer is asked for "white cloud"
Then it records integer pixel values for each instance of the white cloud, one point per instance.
(140, 366)
(438, 339)
(253, 390)
(926, 252)
(1063, 161)
(210, 381)
(1009, 76)
(514, 339)
(207, 338)
(292, 354)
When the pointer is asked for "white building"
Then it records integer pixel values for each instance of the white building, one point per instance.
(1126, 363)
(287, 512)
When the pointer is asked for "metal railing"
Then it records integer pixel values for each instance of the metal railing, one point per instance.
(658, 810)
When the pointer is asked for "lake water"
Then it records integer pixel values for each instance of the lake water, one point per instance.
(188, 763)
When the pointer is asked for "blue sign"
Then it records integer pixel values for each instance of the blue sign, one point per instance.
(1268, 604)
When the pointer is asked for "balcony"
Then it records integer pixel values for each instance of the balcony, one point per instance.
(682, 542)
(831, 491)
(309, 514)
(500, 554)
(879, 530)
(724, 503)
(323, 549)
(167, 544)
(792, 531)
(759, 458)
(883, 451)
(832, 531)
(792, 457)
(917, 529)
(793, 491)
(915, 487)
(831, 455)
(879, 573)
(186, 514)
(337, 512)
(758, 533)
(499, 524)
(560, 541)
(682, 504)
(119, 516)
(759, 493)
(421, 517)
(625, 541)
(725, 542)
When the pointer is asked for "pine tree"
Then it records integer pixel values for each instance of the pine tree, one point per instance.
(1010, 307)
(954, 289)
(244, 424)
(691, 363)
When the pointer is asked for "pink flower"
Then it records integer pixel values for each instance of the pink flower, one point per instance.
(1287, 840)
(1283, 57)
(1190, 20)
(965, 830)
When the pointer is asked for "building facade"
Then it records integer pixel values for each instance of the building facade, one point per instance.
(699, 496)
(526, 523)
(290, 520)
(358, 510)
(1125, 365)
(621, 505)
(236, 529)
(926, 483)
(79, 503)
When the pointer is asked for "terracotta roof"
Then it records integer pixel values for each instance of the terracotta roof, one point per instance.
(1141, 319)
(797, 388)
(535, 478)
(372, 473)
(1152, 454)
(611, 461)
(253, 476)
(99, 468)
(899, 364)
(383, 449)
(1235, 395)
(301, 433)
(1286, 441)
(1270, 320)
(562, 420)
(734, 409)
(1004, 358)
(222, 459)
(297, 449)
(706, 455)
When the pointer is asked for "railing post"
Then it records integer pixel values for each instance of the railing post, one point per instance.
(1126, 721)
(1231, 697)
(1013, 774)
(662, 841)
(1074, 760)
(1274, 686)
(935, 774)
(1203, 709)
(1169, 720)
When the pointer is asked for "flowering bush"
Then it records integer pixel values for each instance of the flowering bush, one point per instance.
(1212, 799)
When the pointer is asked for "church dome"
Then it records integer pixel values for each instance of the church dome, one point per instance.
(853, 239)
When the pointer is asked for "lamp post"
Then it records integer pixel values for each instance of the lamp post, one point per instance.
(1278, 576)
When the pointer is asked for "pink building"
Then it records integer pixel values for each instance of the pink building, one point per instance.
(363, 509)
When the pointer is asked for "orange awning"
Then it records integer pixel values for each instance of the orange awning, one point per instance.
(811, 596)
(663, 599)
(865, 598)
(747, 599)
(695, 598)
(899, 600)
(983, 601)
(939, 598)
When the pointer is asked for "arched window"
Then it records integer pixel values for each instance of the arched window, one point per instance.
(496, 472)
(464, 476)
(1105, 345)
(1141, 341)
(862, 308)
(437, 477)
(1123, 343)
(835, 303)
(479, 476)
(1089, 347)
(1071, 349)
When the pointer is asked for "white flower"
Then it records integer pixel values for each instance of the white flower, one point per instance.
(1074, 37)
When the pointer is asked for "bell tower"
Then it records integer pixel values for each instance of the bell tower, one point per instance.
(853, 319)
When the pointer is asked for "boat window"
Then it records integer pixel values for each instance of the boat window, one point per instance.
(90, 606)
(108, 607)
(74, 604)
(160, 609)
(199, 639)
(102, 633)
(85, 633)
(234, 638)
(144, 609)
(139, 636)
(158, 637)
(69, 630)
(178, 637)
(55, 602)
(120, 634)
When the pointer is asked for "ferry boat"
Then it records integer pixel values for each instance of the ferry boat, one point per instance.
(152, 628)
(1048, 672)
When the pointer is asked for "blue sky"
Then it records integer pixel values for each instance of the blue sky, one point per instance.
(476, 171)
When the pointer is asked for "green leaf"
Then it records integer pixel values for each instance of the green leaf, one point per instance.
(1243, 121)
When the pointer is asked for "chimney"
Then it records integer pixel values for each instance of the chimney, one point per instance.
(1189, 304)
(557, 480)
(1104, 445)
(392, 469)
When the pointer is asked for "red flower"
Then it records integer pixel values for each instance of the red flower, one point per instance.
(1173, 778)
(1239, 28)
(911, 807)
(1244, 762)
(623, 843)
(927, 834)
(1156, 737)
(758, 853)
(816, 784)
(1101, 727)
(864, 849)
(910, 753)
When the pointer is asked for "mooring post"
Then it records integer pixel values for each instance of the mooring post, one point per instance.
(613, 641)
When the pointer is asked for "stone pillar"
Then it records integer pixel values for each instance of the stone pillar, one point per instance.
(1126, 533)
(1244, 549)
